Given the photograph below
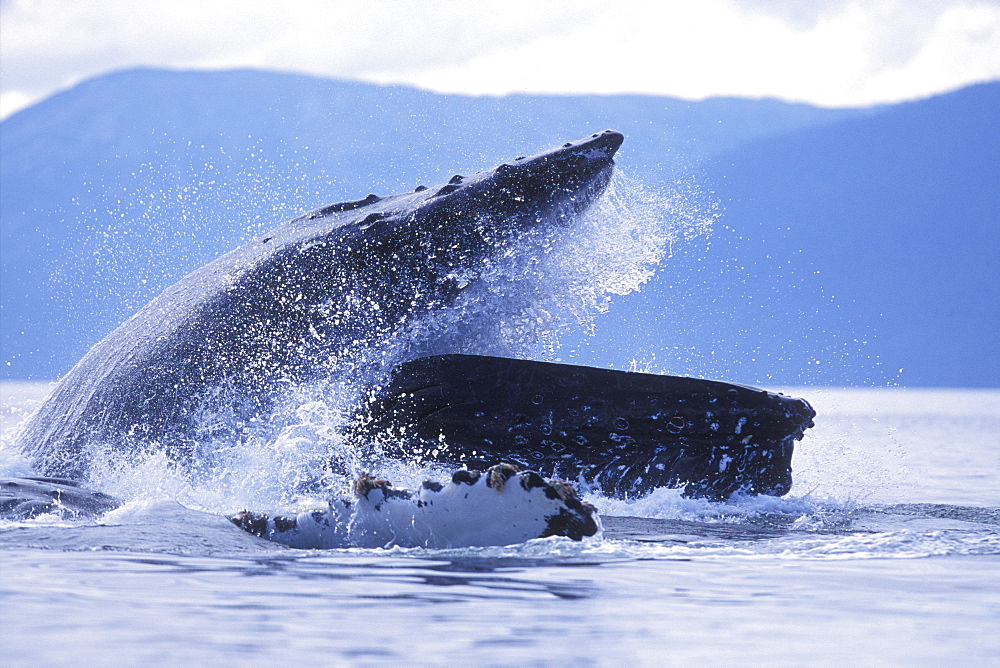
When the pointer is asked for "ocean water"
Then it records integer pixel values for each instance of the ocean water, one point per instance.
(886, 552)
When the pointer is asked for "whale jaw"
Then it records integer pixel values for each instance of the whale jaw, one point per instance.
(626, 433)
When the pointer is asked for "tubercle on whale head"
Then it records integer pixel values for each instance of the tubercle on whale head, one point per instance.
(476, 212)
(529, 190)
(576, 172)
(597, 147)
(573, 162)
(563, 169)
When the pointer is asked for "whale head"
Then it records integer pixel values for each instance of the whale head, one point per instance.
(548, 188)
(469, 213)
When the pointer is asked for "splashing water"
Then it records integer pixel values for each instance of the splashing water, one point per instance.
(547, 284)
(559, 279)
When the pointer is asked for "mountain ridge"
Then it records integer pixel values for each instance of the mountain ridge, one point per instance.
(115, 188)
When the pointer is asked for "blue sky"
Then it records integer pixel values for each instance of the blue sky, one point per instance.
(827, 52)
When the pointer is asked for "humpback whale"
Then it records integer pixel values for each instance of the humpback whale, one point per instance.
(336, 293)
(324, 294)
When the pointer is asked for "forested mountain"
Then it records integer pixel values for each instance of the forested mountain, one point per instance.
(852, 243)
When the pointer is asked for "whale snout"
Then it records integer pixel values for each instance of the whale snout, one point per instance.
(598, 146)
(605, 143)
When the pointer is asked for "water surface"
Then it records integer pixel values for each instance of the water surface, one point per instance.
(887, 551)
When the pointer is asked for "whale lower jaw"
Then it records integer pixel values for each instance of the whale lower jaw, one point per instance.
(502, 506)
(625, 433)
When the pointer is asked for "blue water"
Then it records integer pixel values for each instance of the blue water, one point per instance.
(887, 551)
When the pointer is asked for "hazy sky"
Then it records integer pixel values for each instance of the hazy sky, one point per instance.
(828, 52)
